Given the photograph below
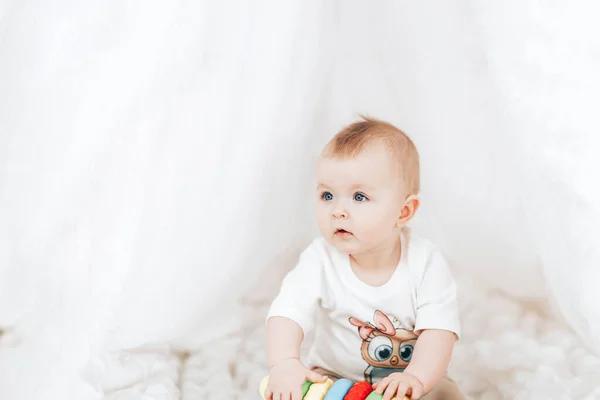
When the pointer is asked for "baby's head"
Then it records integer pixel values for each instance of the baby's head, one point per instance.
(368, 186)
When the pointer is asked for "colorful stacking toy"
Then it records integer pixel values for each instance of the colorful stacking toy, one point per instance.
(339, 389)
(343, 389)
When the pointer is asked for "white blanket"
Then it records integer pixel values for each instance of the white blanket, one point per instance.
(510, 350)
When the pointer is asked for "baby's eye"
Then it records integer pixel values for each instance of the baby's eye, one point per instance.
(326, 196)
(360, 197)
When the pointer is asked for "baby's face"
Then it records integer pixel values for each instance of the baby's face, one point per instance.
(359, 200)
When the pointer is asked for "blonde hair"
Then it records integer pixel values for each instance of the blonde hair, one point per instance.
(356, 137)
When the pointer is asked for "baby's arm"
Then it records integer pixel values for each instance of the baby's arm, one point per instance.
(286, 372)
(291, 315)
(284, 338)
(429, 362)
(438, 326)
(431, 356)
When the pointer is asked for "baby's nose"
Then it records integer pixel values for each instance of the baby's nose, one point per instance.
(338, 213)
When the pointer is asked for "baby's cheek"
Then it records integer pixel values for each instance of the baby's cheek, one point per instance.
(376, 225)
(323, 222)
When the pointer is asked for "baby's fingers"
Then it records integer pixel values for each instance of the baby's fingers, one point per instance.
(268, 394)
(281, 396)
(296, 395)
(390, 391)
(417, 392)
(403, 388)
(380, 387)
(315, 377)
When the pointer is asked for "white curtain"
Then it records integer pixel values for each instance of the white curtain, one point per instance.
(545, 67)
(156, 157)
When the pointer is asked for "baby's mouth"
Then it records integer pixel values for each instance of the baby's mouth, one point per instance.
(342, 232)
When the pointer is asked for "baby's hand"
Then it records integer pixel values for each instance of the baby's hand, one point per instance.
(286, 379)
(398, 385)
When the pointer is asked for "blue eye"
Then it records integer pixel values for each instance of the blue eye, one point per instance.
(360, 197)
(326, 196)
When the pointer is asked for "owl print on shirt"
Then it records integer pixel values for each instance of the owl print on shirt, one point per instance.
(386, 346)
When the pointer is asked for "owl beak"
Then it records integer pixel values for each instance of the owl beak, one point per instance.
(394, 360)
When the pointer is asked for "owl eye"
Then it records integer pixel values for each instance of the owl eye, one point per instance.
(380, 348)
(406, 352)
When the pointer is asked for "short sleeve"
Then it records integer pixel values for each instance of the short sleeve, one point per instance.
(301, 291)
(437, 306)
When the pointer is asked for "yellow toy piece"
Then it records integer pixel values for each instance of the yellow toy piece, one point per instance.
(318, 391)
(263, 386)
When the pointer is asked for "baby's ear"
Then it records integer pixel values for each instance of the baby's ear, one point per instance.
(411, 204)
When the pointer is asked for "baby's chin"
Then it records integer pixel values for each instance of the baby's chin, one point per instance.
(347, 245)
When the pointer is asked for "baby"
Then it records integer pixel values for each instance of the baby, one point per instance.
(382, 301)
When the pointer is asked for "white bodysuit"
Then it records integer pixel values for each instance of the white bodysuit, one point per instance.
(365, 332)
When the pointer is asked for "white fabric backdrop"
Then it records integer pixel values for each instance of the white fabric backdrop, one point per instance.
(156, 157)
(545, 67)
